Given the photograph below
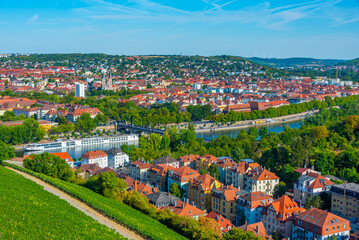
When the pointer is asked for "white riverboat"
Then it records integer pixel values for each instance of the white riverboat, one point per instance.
(68, 143)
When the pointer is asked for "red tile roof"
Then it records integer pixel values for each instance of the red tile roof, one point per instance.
(257, 228)
(323, 220)
(184, 209)
(94, 154)
(225, 224)
(64, 155)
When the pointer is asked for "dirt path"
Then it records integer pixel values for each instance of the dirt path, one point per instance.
(82, 207)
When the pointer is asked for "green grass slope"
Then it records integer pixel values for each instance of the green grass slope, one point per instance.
(27, 211)
(118, 211)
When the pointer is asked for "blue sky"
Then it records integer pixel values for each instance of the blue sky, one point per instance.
(278, 28)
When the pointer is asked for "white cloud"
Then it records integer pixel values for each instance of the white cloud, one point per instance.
(33, 18)
(262, 15)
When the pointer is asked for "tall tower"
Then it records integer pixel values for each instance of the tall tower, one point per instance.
(103, 84)
(107, 83)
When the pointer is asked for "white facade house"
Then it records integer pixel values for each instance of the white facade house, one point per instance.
(79, 90)
(117, 158)
(95, 157)
(309, 186)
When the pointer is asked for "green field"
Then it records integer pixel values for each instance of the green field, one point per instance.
(120, 212)
(27, 211)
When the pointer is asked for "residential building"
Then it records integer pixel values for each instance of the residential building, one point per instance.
(279, 215)
(236, 174)
(87, 170)
(309, 186)
(345, 201)
(260, 180)
(117, 158)
(306, 171)
(258, 229)
(144, 189)
(158, 176)
(95, 157)
(250, 206)
(225, 224)
(161, 199)
(189, 161)
(203, 162)
(79, 90)
(319, 224)
(181, 176)
(27, 112)
(66, 157)
(199, 191)
(184, 209)
(223, 165)
(139, 170)
(224, 201)
(169, 161)
(76, 113)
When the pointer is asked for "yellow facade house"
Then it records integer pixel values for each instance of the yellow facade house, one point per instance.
(200, 189)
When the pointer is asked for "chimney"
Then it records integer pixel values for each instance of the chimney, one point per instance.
(135, 186)
(182, 205)
(257, 229)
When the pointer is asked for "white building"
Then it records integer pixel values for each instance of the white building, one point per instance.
(79, 90)
(260, 180)
(309, 186)
(117, 158)
(95, 157)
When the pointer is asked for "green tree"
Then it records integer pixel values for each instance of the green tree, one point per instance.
(100, 119)
(253, 132)
(213, 171)
(320, 132)
(238, 154)
(85, 123)
(238, 233)
(111, 185)
(61, 120)
(51, 165)
(165, 141)
(277, 235)
(315, 202)
(6, 152)
(263, 132)
(203, 171)
(279, 190)
(174, 190)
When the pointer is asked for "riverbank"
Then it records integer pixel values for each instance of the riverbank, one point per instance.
(251, 123)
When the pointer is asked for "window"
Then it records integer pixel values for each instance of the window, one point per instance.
(327, 229)
(338, 227)
(344, 226)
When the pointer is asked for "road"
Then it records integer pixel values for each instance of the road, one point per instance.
(82, 207)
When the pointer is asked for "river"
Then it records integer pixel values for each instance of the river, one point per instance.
(276, 127)
(79, 151)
